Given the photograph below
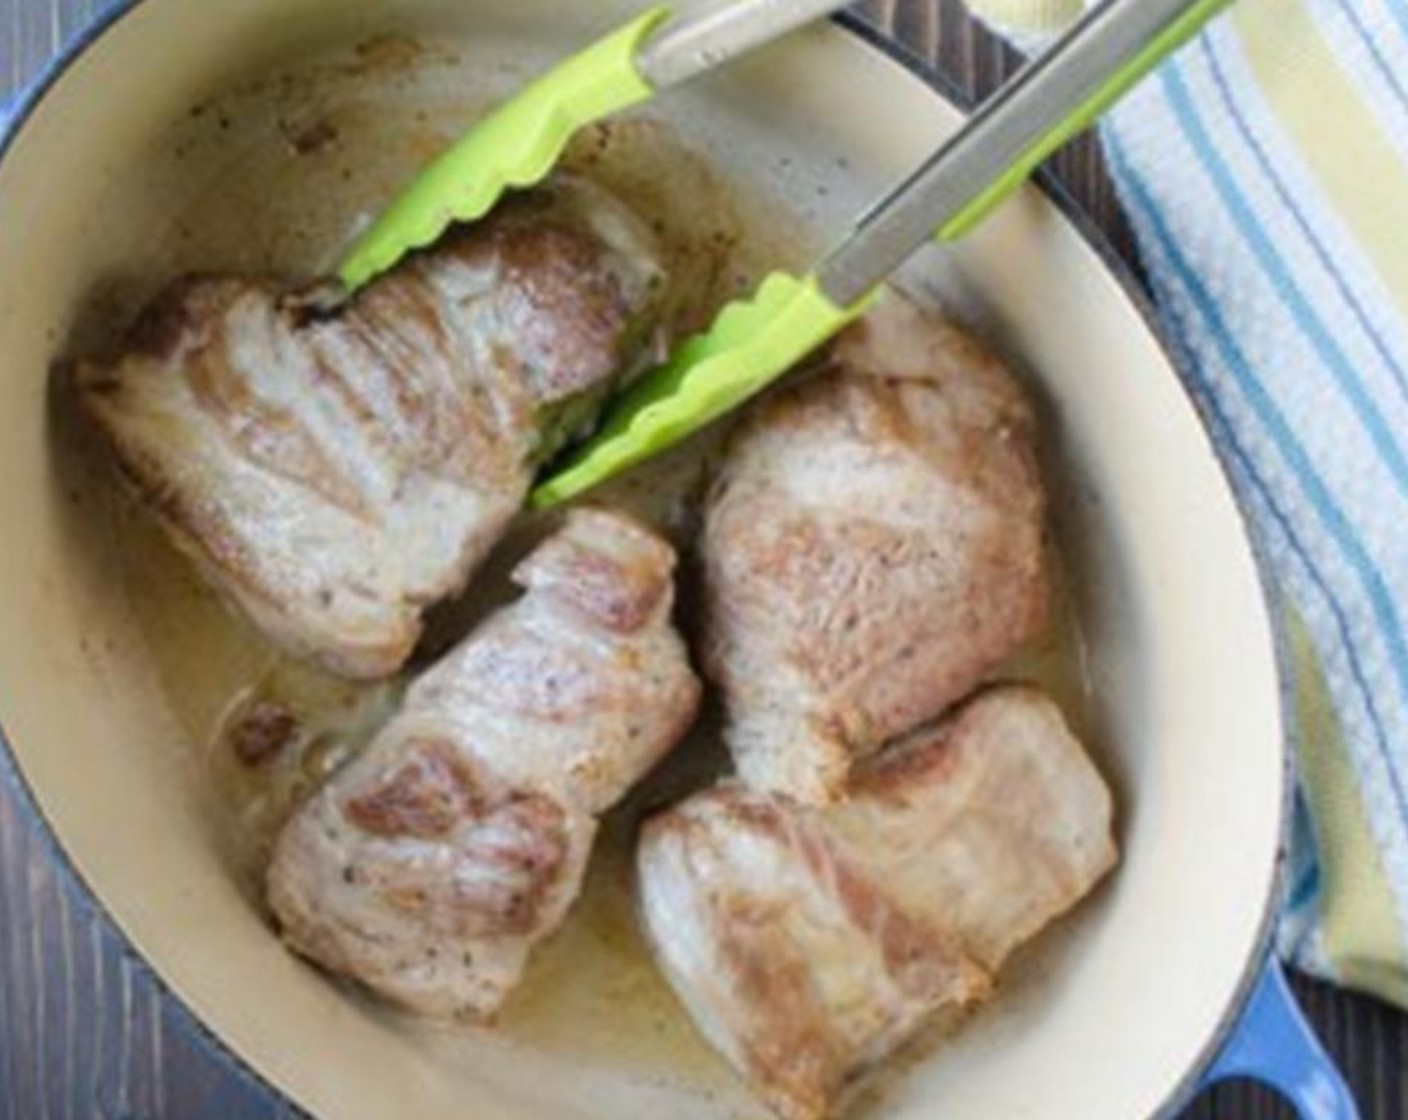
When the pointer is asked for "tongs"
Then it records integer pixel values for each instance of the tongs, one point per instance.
(519, 142)
(753, 342)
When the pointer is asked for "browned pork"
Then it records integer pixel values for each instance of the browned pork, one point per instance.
(335, 474)
(430, 867)
(873, 548)
(810, 943)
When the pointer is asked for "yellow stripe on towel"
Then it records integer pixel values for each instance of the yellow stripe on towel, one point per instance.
(1027, 17)
(1324, 114)
(1361, 934)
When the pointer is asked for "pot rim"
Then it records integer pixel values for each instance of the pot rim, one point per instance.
(1139, 297)
(22, 107)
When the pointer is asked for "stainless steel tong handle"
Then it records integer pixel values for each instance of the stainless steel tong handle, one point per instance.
(1056, 96)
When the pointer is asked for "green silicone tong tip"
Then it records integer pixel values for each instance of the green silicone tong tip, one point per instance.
(514, 146)
(709, 374)
(754, 342)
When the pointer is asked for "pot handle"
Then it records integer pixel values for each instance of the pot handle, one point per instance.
(1273, 1044)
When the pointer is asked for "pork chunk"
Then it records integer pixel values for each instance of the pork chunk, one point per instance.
(333, 474)
(873, 548)
(428, 868)
(810, 943)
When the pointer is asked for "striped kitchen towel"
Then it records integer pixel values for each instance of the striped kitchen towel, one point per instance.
(1265, 172)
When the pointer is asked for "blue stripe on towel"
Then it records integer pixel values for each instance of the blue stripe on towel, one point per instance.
(1225, 435)
(1249, 225)
(1297, 213)
(1330, 514)
(1381, 63)
(1253, 232)
(1399, 10)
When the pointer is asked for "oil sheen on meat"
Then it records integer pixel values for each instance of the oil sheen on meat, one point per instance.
(873, 548)
(811, 943)
(429, 867)
(334, 474)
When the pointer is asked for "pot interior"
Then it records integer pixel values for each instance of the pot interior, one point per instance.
(256, 136)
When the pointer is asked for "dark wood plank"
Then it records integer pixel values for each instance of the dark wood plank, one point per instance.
(85, 1031)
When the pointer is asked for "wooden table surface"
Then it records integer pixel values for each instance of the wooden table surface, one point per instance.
(85, 1031)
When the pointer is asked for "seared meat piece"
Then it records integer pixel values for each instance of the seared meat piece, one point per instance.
(335, 474)
(809, 943)
(419, 874)
(873, 548)
(583, 685)
(430, 867)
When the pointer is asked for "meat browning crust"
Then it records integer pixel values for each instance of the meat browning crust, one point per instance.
(810, 943)
(873, 548)
(424, 798)
(334, 473)
(430, 867)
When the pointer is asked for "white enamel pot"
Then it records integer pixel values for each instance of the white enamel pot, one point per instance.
(113, 175)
